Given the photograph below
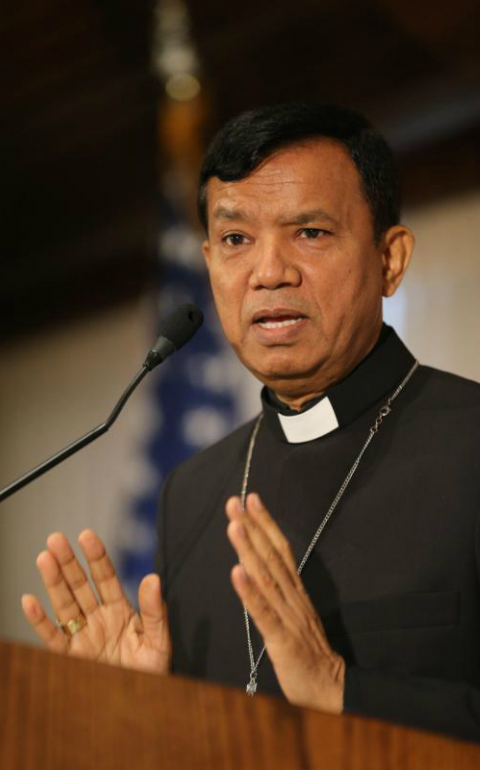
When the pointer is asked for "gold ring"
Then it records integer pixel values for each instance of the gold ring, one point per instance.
(73, 626)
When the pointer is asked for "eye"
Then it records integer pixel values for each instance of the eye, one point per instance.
(312, 232)
(234, 239)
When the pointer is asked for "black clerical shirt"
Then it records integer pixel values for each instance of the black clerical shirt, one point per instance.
(394, 575)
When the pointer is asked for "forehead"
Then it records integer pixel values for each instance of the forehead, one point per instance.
(315, 174)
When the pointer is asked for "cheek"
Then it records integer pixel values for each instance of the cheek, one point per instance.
(345, 287)
(331, 286)
(228, 296)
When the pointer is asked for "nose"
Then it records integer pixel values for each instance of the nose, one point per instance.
(272, 268)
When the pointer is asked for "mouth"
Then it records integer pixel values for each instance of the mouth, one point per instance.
(278, 319)
(265, 323)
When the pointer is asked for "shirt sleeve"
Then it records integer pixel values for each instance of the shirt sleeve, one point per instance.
(452, 708)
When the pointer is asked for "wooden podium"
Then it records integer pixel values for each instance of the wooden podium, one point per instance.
(58, 713)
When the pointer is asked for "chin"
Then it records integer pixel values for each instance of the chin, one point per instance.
(272, 365)
(284, 373)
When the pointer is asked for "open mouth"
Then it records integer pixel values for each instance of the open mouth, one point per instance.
(277, 319)
(270, 323)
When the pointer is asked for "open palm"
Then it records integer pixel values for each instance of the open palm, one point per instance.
(113, 632)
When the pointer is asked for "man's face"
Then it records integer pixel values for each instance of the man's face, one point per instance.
(296, 275)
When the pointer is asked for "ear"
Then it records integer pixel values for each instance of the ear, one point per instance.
(398, 243)
(206, 252)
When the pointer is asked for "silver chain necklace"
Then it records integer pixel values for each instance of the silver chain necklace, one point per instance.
(384, 412)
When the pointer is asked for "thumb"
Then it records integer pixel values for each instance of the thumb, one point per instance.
(153, 613)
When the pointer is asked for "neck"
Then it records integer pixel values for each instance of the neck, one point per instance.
(307, 391)
(297, 404)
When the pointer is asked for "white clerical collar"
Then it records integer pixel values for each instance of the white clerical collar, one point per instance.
(311, 424)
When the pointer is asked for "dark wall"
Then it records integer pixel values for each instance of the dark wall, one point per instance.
(79, 130)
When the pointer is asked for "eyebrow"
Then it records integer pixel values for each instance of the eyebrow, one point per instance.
(305, 217)
(302, 218)
(223, 212)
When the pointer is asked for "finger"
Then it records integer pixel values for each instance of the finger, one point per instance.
(256, 514)
(267, 541)
(255, 567)
(101, 568)
(234, 508)
(281, 590)
(63, 602)
(48, 632)
(153, 612)
(73, 573)
(262, 613)
(272, 560)
(265, 533)
(260, 515)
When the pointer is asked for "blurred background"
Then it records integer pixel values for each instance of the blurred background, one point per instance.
(107, 106)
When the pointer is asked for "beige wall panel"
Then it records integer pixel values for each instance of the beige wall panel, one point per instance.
(437, 310)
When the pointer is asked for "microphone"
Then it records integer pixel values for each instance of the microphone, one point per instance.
(174, 332)
(177, 329)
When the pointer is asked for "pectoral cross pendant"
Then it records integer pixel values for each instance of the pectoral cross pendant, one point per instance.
(252, 686)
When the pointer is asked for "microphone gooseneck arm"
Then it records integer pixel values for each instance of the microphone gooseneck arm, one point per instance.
(69, 450)
(175, 332)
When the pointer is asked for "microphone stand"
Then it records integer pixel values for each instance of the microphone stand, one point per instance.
(69, 450)
(176, 330)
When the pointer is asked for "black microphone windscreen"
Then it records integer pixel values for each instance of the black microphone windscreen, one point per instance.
(173, 333)
(181, 325)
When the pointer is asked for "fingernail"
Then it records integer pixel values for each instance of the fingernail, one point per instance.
(255, 501)
(233, 507)
(87, 535)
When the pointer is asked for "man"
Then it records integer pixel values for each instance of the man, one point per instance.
(362, 472)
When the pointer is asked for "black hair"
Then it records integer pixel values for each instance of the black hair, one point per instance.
(251, 137)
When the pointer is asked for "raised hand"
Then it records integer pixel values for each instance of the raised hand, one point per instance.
(109, 629)
(309, 672)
